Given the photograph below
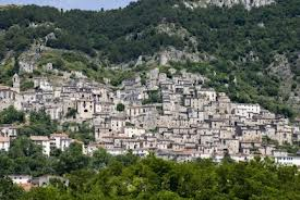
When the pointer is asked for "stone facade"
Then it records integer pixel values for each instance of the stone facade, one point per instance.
(185, 122)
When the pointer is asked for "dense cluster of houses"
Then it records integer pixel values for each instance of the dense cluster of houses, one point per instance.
(28, 182)
(170, 114)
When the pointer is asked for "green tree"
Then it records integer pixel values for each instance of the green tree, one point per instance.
(28, 158)
(101, 159)
(10, 116)
(71, 113)
(26, 85)
(120, 107)
(9, 191)
(72, 159)
(40, 124)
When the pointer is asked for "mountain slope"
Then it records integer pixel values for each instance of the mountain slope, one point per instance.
(235, 47)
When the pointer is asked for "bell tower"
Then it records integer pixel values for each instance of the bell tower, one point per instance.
(16, 83)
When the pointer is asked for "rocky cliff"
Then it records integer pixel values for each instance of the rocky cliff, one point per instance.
(228, 3)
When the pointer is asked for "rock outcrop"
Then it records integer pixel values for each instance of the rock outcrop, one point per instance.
(228, 3)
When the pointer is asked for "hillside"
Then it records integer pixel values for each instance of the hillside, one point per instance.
(249, 51)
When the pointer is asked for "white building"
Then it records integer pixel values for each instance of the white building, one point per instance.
(60, 141)
(44, 142)
(8, 130)
(6, 93)
(20, 179)
(283, 158)
(246, 110)
(131, 131)
(42, 83)
(207, 94)
(4, 143)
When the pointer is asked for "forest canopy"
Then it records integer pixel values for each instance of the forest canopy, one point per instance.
(128, 177)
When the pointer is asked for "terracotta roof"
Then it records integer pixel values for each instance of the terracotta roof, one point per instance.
(3, 87)
(4, 139)
(27, 186)
(39, 138)
(62, 135)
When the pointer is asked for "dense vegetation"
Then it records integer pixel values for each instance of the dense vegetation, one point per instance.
(154, 96)
(230, 34)
(127, 177)
(38, 123)
(11, 116)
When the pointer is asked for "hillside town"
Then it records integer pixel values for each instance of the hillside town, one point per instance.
(171, 114)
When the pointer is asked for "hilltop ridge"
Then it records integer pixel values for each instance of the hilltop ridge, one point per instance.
(248, 4)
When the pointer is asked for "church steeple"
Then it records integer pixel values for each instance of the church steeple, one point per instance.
(16, 83)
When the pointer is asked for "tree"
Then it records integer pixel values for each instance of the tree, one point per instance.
(26, 85)
(154, 96)
(71, 113)
(10, 115)
(72, 159)
(40, 124)
(120, 107)
(28, 158)
(9, 191)
(166, 195)
(45, 194)
(101, 159)
(6, 164)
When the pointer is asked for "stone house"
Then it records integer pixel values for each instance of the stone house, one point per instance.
(27, 96)
(91, 148)
(101, 132)
(162, 77)
(132, 82)
(117, 123)
(178, 146)
(85, 108)
(6, 93)
(42, 83)
(131, 131)
(60, 141)
(196, 117)
(246, 110)
(231, 145)
(147, 121)
(197, 104)
(164, 144)
(8, 131)
(207, 140)
(150, 142)
(4, 143)
(207, 94)
(226, 133)
(133, 144)
(20, 179)
(48, 67)
(54, 111)
(250, 134)
(26, 67)
(42, 141)
(104, 107)
(217, 123)
(284, 134)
